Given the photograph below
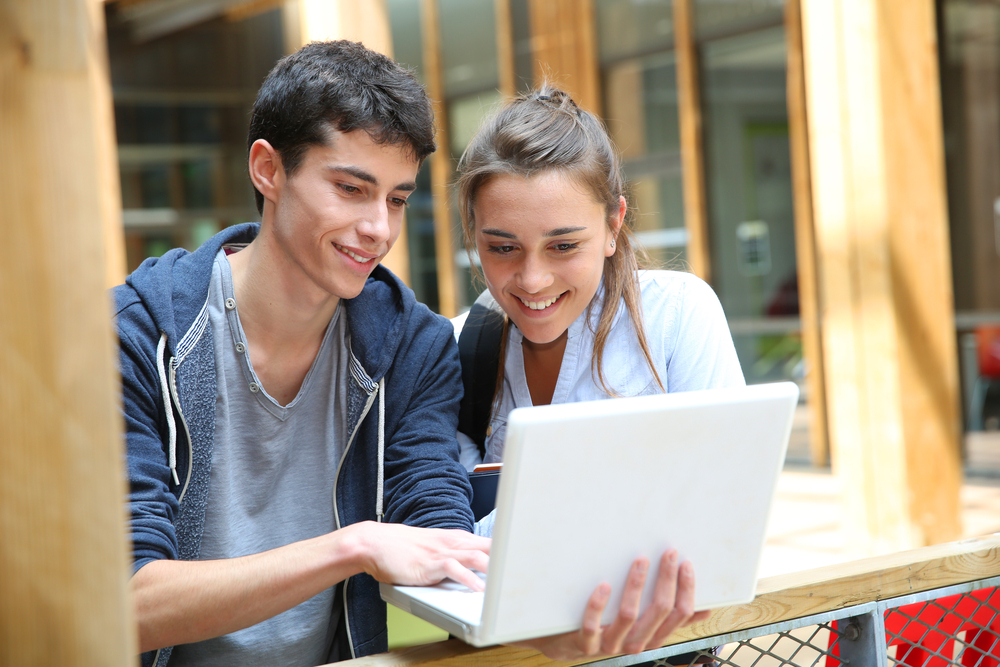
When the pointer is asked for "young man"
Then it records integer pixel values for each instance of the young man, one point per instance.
(290, 408)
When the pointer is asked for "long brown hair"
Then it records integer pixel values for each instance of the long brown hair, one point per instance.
(545, 130)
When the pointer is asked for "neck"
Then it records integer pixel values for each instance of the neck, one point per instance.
(542, 362)
(277, 307)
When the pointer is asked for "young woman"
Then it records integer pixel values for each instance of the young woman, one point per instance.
(543, 205)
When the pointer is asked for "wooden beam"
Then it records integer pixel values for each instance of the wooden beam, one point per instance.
(564, 48)
(692, 146)
(781, 598)
(805, 237)
(441, 167)
(877, 170)
(63, 552)
(368, 22)
(505, 48)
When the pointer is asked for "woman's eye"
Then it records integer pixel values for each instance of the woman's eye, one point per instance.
(350, 189)
(501, 249)
(564, 247)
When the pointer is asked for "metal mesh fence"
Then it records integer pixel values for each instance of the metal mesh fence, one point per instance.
(802, 647)
(958, 625)
(956, 629)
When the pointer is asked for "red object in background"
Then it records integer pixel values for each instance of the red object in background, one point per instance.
(922, 629)
(988, 350)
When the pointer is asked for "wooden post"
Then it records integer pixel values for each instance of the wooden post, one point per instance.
(63, 552)
(368, 22)
(505, 48)
(441, 167)
(805, 237)
(564, 48)
(692, 146)
(877, 165)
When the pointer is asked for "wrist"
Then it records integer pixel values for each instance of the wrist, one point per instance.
(352, 548)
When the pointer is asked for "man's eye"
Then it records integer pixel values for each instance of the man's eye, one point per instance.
(350, 189)
(398, 202)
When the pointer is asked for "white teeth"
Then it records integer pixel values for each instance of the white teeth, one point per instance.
(539, 305)
(356, 258)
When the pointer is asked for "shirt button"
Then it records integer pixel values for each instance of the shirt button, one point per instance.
(254, 388)
(230, 303)
(241, 348)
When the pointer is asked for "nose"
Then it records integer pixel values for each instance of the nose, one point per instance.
(533, 275)
(375, 225)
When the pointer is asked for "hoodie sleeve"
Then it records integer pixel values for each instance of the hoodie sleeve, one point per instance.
(425, 484)
(152, 504)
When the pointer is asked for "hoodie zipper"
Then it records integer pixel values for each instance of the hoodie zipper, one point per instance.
(336, 509)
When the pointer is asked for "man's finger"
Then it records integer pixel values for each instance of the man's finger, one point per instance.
(455, 570)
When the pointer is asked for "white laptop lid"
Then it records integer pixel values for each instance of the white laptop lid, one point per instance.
(588, 487)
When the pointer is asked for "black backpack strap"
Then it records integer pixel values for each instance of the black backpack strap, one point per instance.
(479, 350)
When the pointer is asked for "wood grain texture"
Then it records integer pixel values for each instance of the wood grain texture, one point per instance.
(564, 48)
(805, 237)
(63, 552)
(441, 166)
(505, 48)
(876, 165)
(779, 598)
(692, 145)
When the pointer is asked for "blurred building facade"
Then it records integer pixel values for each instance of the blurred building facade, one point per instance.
(698, 95)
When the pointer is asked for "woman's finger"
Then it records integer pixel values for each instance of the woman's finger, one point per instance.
(628, 611)
(683, 612)
(660, 607)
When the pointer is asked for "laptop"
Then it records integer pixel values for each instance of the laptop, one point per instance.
(588, 487)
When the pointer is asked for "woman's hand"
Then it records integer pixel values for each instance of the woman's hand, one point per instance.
(672, 607)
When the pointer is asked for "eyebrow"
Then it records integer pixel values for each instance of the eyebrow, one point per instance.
(559, 231)
(368, 177)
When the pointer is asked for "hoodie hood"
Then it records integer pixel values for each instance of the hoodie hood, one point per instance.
(174, 290)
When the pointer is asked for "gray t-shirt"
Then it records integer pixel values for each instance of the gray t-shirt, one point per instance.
(273, 470)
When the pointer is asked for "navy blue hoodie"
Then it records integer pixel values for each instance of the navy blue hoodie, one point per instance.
(398, 348)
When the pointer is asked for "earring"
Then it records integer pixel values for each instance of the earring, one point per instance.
(612, 243)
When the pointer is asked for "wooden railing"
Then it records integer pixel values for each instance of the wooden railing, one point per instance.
(780, 598)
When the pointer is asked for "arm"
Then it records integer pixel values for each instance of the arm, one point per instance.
(179, 602)
(425, 485)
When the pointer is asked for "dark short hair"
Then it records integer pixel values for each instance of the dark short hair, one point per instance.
(344, 86)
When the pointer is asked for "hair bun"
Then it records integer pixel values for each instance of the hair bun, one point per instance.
(553, 97)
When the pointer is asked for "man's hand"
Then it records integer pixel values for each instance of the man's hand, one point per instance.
(672, 607)
(398, 554)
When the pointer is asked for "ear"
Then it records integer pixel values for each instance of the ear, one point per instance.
(266, 172)
(616, 226)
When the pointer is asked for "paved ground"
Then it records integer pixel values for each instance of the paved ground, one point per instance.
(806, 525)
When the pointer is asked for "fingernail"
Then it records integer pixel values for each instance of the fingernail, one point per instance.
(673, 556)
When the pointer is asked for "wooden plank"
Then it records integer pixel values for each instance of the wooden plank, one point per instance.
(805, 238)
(692, 146)
(564, 48)
(63, 551)
(505, 48)
(780, 598)
(876, 163)
(441, 167)
(315, 20)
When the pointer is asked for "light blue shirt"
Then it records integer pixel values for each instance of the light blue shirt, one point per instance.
(688, 339)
